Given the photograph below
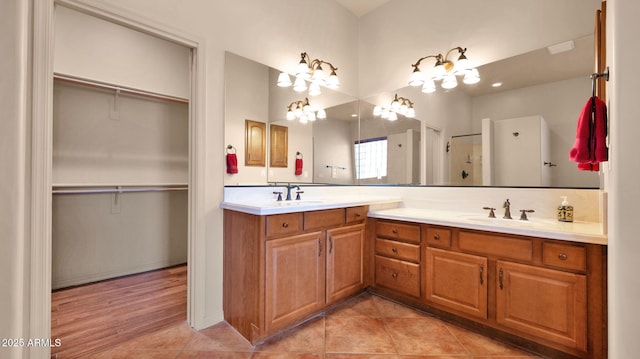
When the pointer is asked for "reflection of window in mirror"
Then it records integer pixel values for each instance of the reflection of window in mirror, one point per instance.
(371, 158)
(278, 146)
(255, 143)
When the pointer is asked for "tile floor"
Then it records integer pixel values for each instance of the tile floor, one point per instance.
(366, 326)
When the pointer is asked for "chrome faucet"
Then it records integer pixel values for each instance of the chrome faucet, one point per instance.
(507, 211)
(289, 187)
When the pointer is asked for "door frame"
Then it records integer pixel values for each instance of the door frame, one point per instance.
(40, 237)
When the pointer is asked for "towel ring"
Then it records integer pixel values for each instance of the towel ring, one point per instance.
(299, 155)
(230, 149)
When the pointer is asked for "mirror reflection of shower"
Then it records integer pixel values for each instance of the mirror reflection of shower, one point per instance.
(465, 160)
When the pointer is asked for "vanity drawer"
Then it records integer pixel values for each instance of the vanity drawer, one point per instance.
(398, 250)
(573, 257)
(357, 214)
(407, 232)
(398, 275)
(287, 223)
(324, 219)
(495, 245)
(438, 237)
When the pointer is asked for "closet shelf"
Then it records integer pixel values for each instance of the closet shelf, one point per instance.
(137, 188)
(129, 90)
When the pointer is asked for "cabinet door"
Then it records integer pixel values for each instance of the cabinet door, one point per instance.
(294, 278)
(345, 271)
(457, 281)
(543, 302)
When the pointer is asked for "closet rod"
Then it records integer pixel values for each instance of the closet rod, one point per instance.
(118, 190)
(129, 90)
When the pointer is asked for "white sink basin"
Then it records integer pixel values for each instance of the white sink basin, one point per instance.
(515, 222)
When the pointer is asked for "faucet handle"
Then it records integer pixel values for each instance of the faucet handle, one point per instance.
(492, 214)
(523, 214)
(298, 195)
(279, 195)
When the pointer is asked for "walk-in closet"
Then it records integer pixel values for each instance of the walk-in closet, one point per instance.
(120, 174)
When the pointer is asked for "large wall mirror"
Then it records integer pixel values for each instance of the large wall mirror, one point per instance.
(462, 137)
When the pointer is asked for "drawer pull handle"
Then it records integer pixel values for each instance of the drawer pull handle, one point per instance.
(394, 231)
(358, 214)
(394, 250)
(436, 237)
(285, 225)
(481, 274)
(394, 275)
(500, 278)
(563, 256)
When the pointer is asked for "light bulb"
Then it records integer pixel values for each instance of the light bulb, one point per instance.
(290, 115)
(322, 114)
(417, 78)
(392, 116)
(303, 70)
(449, 82)
(333, 82)
(462, 65)
(439, 72)
(377, 111)
(385, 113)
(314, 89)
(284, 80)
(411, 113)
(299, 85)
(471, 77)
(395, 105)
(318, 76)
(429, 86)
(311, 116)
(297, 111)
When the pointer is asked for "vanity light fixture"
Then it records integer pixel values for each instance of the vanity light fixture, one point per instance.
(311, 70)
(303, 111)
(445, 70)
(399, 105)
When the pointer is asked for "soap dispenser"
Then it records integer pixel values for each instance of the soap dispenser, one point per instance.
(565, 211)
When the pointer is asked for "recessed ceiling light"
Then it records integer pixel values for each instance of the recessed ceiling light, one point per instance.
(496, 84)
(354, 115)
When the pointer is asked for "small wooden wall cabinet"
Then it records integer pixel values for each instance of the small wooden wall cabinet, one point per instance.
(544, 295)
(282, 269)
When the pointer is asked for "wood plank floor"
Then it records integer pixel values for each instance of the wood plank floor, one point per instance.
(99, 316)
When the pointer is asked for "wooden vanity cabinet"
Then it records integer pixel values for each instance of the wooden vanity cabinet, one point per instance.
(397, 257)
(457, 281)
(545, 295)
(281, 269)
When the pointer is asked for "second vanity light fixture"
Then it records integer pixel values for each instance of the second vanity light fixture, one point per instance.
(304, 112)
(399, 105)
(446, 70)
(311, 70)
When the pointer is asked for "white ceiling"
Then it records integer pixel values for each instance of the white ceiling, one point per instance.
(361, 7)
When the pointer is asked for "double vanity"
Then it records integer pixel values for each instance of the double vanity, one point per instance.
(539, 284)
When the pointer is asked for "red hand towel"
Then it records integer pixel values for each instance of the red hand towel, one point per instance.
(298, 166)
(232, 163)
(590, 146)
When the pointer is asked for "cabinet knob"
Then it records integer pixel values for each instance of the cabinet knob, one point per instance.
(394, 275)
(358, 214)
(436, 237)
(563, 256)
(394, 231)
(394, 250)
(285, 225)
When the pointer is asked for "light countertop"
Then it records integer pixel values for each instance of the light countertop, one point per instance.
(391, 208)
(585, 232)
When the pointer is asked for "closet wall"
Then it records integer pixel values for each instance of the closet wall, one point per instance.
(120, 160)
